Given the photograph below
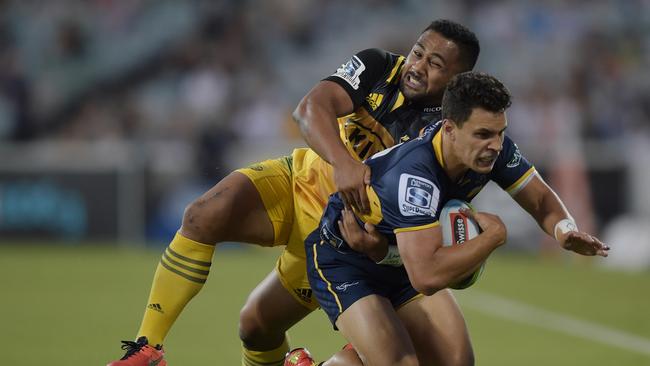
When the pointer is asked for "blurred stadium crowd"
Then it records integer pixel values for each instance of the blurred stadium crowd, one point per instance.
(194, 89)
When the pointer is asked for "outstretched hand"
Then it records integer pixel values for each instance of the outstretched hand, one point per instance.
(366, 240)
(583, 243)
(351, 179)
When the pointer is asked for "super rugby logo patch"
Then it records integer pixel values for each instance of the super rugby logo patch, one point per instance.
(351, 71)
(417, 196)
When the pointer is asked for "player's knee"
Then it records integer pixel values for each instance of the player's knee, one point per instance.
(205, 219)
(251, 329)
(196, 221)
(248, 325)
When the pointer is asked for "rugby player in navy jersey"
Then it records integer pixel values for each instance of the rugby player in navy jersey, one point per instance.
(374, 101)
(379, 308)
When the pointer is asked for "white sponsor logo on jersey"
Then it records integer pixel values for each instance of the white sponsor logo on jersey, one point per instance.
(351, 71)
(417, 196)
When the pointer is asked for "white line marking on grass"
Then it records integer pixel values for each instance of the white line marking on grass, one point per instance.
(531, 315)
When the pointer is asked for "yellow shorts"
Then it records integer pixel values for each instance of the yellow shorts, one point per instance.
(294, 190)
(272, 179)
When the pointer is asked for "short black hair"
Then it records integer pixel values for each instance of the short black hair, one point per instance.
(464, 38)
(470, 90)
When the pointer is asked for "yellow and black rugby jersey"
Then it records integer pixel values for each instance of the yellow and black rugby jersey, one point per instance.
(381, 117)
(409, 186)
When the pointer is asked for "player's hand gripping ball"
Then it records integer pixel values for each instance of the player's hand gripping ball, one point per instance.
(456, 230)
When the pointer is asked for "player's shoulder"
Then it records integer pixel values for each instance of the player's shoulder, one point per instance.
(378, 58)
(365, 71)
(509, 152)
(412, 158)
(422, 146)
(508, 142)
(412, 150)
(377, 54)
(429, 131)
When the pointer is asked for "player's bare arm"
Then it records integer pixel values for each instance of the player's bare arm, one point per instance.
(541, 202)
(432, 267)
(316, 115)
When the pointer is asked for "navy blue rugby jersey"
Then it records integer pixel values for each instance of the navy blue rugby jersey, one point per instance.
(381, 117)
(409, 186)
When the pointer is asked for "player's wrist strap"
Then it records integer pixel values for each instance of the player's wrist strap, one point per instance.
(392, 257)
(564, 226)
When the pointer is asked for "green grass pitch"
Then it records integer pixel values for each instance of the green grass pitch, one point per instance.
(66, 305)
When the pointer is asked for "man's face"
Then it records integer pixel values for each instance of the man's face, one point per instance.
(479, 141)
(432, 62)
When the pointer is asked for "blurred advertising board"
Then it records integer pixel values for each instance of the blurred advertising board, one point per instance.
(68, 199)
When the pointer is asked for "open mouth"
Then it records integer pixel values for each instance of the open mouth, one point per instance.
(486, 161)
(413, 81)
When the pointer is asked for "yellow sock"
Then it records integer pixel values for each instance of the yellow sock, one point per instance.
(274, 357)
(180, 275)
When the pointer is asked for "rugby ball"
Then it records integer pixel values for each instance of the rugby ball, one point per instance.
(456, 230)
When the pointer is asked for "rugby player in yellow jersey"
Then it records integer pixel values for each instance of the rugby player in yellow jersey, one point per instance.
(372, 102)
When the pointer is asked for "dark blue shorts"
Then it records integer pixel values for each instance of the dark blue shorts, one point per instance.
(339, 278)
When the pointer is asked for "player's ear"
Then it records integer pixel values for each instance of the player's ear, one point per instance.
(449, 128)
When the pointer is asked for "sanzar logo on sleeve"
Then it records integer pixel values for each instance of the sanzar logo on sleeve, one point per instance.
(417, 196)
(351, 71)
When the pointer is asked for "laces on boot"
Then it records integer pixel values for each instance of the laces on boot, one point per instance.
(132, 348)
